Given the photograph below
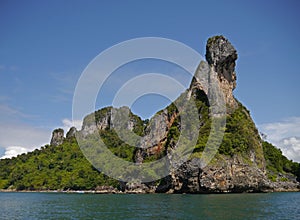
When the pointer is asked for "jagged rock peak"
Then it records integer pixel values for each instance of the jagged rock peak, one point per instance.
(221, 55)
(110, 118)
(57, 137)
(71, 133)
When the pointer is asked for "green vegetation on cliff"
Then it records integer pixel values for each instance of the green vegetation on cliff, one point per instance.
(50, 168)
(277, 163)
(65, 167)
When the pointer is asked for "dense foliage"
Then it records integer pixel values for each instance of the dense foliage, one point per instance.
(50, 168)
(65, 167)
(240, 134)
(278, 163)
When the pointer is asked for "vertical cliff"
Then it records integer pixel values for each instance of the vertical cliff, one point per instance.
(238, 166)
(221, 57)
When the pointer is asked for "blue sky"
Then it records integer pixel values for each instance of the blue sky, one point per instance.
(45, 46)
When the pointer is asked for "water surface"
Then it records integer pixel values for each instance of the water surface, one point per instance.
(149, 206)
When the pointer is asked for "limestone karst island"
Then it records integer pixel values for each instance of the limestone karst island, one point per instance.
(244, 162)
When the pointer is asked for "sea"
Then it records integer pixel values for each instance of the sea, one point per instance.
(37, 205)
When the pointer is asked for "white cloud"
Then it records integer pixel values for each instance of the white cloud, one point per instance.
(291, 148)
(278, 130)
(17, 137)
(13, 151)
(67, 124)
(285, 135)
(21, 138)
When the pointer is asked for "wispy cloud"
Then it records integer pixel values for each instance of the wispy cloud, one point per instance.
(13, 68)
(17, 137)
(8, 111)
(276, 131)
(291, 147)
(8, 68)
(286, 135)
(4, 98)
(65, 86)
(13, 151)
(67, 124)
(21, 138)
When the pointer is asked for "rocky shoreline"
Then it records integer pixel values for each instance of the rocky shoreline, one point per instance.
(288, 186)
(116, 191)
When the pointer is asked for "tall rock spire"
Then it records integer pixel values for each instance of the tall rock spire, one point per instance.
(221, 57)
(57, 137)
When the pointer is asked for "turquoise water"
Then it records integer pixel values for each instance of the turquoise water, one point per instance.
(157, 206)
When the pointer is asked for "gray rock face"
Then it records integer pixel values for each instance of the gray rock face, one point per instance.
(57, 137)
(222, 175)
(221, 57)
(106, 190)
(289, 185)
(121, 119)
(138, 188)
(155, 135)
(71, 133)
(91, 124)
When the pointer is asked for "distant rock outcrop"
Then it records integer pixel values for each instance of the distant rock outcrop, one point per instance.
(57, 137)
(110, 118)
(71, 133)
